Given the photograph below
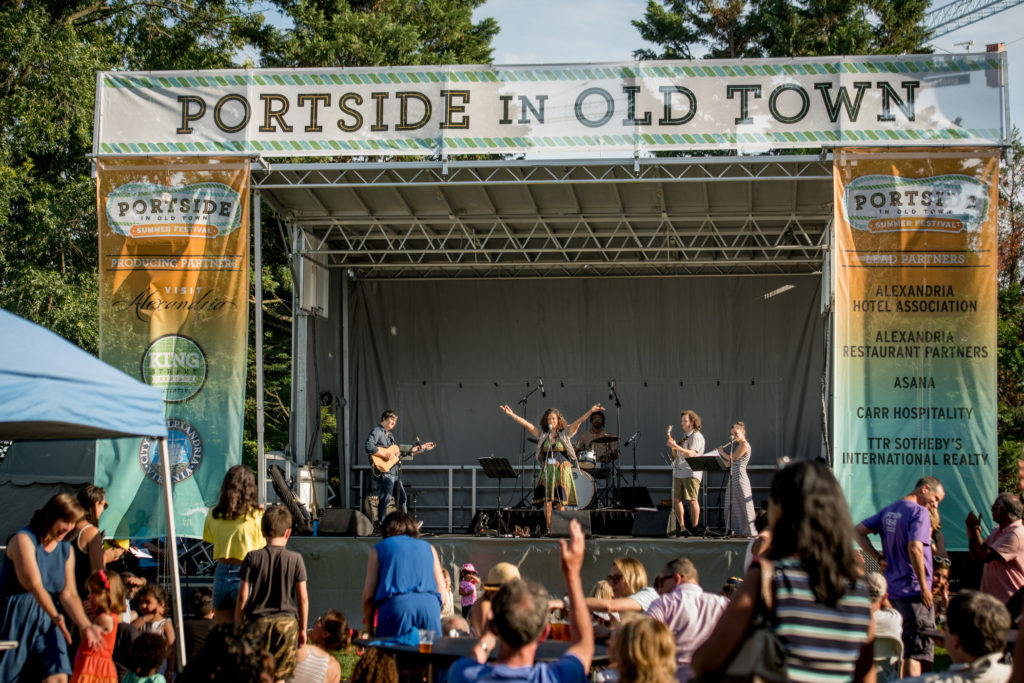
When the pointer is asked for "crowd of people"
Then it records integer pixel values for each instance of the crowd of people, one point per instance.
(807, 609)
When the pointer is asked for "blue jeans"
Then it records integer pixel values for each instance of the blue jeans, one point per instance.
(226, 578)
(386, 485)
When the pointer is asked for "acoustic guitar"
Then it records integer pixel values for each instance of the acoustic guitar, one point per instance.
(386, 458)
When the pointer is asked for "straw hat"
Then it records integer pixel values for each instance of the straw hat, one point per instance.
(500, 574)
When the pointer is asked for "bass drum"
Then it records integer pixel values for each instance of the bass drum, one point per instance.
(584, 490)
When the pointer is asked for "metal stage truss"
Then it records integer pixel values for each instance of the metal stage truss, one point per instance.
(645, 217)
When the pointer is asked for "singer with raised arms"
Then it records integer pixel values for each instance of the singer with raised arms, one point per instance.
(554, 449)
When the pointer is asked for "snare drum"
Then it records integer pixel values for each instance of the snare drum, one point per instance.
(587, 459)
(584, 490)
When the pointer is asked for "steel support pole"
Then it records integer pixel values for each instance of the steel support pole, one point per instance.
(261, 455)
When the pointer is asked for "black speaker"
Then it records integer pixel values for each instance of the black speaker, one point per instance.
(654, 524)
(560, 522)
(634, 497)
(343, 522)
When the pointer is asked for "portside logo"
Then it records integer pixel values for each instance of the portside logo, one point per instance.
(204, 210)
(176, 365)
(185, 451)
(885, 203)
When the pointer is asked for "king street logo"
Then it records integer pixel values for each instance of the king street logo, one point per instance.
(203, 210)
(184, 446)
(946, 203)
(176, 365)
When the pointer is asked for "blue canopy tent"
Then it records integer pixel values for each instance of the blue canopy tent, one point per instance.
(51, 389)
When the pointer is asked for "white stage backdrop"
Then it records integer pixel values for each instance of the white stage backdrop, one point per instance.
(445, 355)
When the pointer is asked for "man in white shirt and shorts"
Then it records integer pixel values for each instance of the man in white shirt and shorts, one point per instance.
(685, 481)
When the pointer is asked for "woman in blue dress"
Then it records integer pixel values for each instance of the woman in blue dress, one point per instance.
(38, 573)
(403, 581)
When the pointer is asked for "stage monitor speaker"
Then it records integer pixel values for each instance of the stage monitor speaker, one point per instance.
(634, 497)
(560, 522)
(343, 522)
(654, 524)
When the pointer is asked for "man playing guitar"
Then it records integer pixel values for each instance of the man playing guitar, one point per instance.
(384, 454)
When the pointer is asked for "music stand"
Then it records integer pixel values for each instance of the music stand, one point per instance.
(708, 464)
(498, 468)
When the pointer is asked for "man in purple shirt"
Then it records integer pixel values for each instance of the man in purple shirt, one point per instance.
(906, 530)
(689, 612)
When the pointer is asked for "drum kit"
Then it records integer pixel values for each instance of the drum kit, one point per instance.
(597, 460)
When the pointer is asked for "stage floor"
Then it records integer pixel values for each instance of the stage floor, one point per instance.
(336, 566)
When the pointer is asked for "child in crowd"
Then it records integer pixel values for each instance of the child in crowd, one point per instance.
(272, 593)
(105, 602)
(375, 666)
(152, 607)
(147, 655)
(447, 597)
(198, 625)
(233, 527)
(643, 650)
(469, 580)
(940, 587)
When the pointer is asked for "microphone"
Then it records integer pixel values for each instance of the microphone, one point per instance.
(631, 439)
(540, 383)
(611, 390)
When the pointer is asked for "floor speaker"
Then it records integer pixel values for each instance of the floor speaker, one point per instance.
(560, 522)
(343, 522)
(370, 507)
(654, 524)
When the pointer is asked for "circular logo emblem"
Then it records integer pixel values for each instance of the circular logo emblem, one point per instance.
(176, 365)
(185, 451)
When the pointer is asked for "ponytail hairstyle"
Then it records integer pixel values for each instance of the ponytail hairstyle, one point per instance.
(107, 591)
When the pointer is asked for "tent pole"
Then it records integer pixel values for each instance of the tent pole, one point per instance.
(261, 456)
(171, 550)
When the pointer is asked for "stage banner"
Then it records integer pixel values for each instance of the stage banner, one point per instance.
(174, 274)
(915, 328)
(750, 105)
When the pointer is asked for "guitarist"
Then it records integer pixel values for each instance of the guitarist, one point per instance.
(382, 451)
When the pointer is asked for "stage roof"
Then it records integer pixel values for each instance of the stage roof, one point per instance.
(646, 217)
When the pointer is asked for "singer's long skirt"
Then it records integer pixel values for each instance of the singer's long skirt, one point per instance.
(558, 483)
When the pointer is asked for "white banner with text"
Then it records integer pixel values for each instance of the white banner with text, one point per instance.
(750, 106)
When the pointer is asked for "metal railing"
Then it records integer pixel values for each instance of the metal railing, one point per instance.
(486, 492)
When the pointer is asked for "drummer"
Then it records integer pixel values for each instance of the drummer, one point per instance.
(604, 445)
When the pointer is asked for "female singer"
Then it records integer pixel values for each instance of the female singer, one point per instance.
(554, 449)
(740, 497)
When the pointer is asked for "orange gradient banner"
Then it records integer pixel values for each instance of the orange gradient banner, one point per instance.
(915, 327)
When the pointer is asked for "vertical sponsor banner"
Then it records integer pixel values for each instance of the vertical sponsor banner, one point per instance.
(174, 271)
(915, 325)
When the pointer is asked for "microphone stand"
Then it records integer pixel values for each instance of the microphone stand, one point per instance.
(632, 441)
(522, 453)
(613, 476)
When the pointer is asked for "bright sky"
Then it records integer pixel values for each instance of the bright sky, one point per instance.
(553, 31)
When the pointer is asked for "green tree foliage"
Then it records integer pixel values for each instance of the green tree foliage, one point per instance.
(50, 53)
(1010, 374)
(381, 32)
(781, 28)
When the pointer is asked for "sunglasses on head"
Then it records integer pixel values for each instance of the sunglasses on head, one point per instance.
(943, 561)
(614, 578)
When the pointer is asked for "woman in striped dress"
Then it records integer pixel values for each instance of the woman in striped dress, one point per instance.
(740, 497)
(819, 609)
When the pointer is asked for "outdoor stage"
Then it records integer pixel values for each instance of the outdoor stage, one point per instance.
(336, 567)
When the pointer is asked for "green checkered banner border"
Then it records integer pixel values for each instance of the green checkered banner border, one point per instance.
(748, 105)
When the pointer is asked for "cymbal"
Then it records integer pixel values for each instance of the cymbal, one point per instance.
(607, 438)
